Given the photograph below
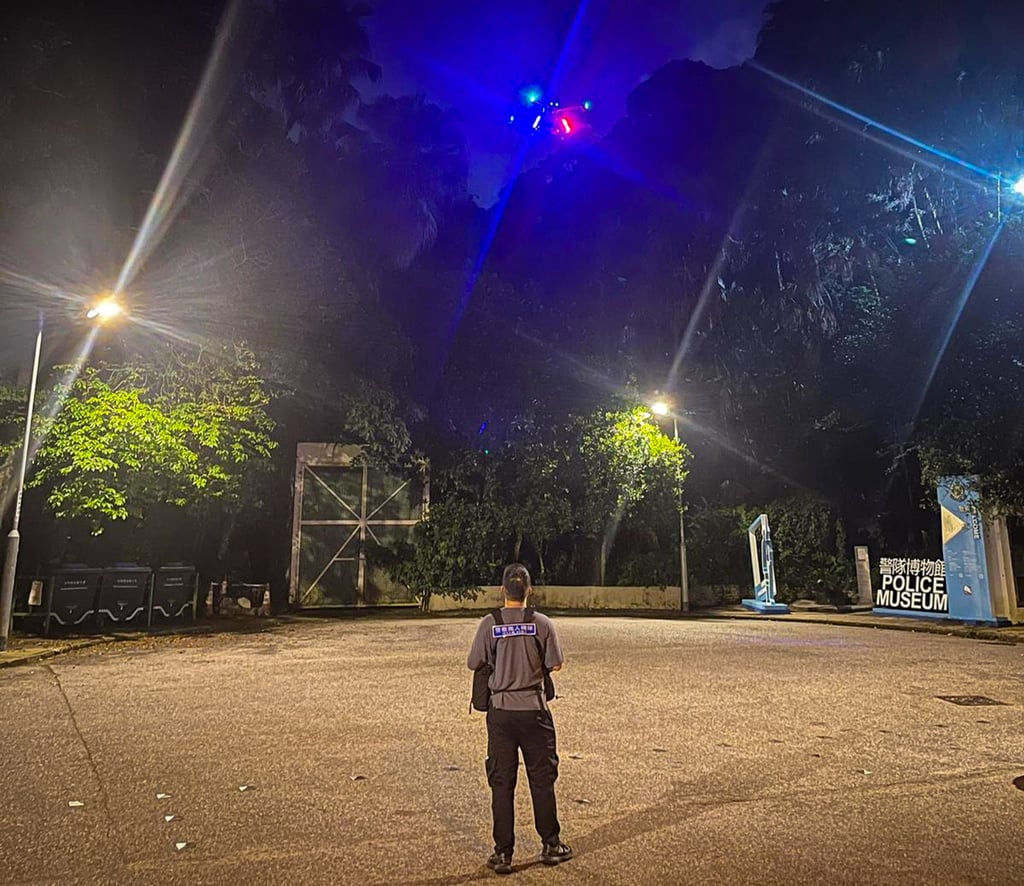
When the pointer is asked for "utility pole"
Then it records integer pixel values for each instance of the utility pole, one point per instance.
(684, 579)
(14, 537)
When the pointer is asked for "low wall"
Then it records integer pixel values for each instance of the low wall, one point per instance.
(566, 597)
(703, 596)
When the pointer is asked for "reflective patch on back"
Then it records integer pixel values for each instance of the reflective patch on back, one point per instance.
(520, 630)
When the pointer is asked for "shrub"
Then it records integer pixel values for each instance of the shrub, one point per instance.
(808, 541)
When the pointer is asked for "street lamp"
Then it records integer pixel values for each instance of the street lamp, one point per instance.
(1018, 186)
(104, 310)
(663, 408)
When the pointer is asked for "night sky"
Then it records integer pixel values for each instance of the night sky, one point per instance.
(475, 56)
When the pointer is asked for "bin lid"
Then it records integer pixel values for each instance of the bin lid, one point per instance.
(74, 567)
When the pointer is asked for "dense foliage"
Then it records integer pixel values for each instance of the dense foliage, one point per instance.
(555, 498)
(833, 308)
(191, 430)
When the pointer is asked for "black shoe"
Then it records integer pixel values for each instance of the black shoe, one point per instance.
(500, 862)
(555, 853)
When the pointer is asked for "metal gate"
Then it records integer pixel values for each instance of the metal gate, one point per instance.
(340, 509)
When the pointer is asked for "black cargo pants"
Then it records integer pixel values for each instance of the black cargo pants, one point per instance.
(534, 733)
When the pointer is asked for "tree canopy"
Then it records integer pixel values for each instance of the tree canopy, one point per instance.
(189, 431)
(815, 254)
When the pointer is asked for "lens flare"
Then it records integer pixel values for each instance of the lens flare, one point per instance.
(202, 113)
(499, 210)
(863, 118)
(953, 320)
(44, 417)
(105, 310)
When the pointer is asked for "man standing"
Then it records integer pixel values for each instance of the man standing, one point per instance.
(521, 649)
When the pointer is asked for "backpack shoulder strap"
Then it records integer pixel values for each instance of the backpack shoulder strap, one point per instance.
(528, 617)
(492, 644)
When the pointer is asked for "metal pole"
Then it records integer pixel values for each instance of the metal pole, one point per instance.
(13, 537)
(684, 579)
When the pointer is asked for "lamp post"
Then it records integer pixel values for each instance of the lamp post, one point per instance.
(662, 408)
(101, 312)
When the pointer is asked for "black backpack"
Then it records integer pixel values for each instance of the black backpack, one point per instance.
(481, 699)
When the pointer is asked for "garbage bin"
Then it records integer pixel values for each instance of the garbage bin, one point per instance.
(71, 601)
(123, 596)
(174, 594)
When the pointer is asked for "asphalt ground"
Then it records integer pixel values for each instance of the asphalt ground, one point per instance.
(693, 751)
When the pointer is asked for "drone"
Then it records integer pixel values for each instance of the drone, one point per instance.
(551, 116)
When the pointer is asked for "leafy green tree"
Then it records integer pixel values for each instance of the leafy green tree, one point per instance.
(457, 548)
(373, 420)
(109, 454)
(12, 411)
(187, 432)
(621, 457)
(573, 483)
(534, 495)
(461, 542)
(810, 545)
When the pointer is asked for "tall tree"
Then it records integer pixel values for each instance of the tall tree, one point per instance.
(185, 430)
(418, 168)
(307, 62)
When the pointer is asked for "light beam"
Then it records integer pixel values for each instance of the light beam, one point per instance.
(499, 210)
(202, 112)
(954, 319)
(863, 118)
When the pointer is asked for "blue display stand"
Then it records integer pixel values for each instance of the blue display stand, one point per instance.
(762, 562)
(963, 549)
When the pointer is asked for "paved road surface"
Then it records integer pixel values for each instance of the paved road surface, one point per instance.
(692, 752)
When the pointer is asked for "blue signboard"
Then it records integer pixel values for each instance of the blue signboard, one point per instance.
(514, 630)
(963, 547)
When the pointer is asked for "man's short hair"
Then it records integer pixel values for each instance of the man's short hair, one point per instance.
(515, 581)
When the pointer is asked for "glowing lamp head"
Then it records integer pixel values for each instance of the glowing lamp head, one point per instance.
(566, 125)
(1018, 186)
(587, 105)
(660, 407)
(104, 310)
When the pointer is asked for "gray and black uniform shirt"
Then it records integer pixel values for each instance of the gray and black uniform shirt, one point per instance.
(517, 666)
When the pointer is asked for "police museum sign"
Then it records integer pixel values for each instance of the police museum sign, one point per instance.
(912, 585)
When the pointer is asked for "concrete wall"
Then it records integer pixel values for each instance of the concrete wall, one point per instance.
(564, 597)
(717, 595)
